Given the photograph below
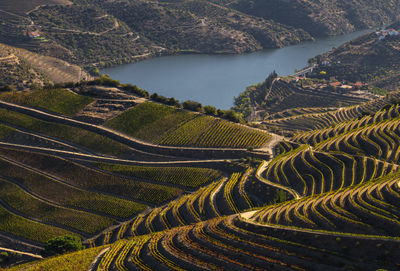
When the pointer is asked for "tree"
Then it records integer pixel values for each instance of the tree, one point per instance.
(173, 102)
(232, 116)
(229, 115)
(210, 110)
(62, 244)
(193, 106)
(135, 90)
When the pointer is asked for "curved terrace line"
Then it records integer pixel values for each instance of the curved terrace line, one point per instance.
(130, 141)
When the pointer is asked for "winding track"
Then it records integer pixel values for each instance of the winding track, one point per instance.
(262, 168)
(104, 159)
(21, 253)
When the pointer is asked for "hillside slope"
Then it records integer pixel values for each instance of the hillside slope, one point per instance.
(372, 59)
(321, 18)
(23, 68)
(103, 32)
(86, 32)
(327, 200)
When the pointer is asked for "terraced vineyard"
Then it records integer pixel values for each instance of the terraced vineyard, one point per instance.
(344, 215)
(57, 196)
(188, 177)
(312, 121)
(329, 199)
(311, 172)
(381, 117)
(369, 208)
(232, 242)
(293, 112)
(220, 198)
(287, 96)
(163, 125)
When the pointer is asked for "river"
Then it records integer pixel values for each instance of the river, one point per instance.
(216, 79)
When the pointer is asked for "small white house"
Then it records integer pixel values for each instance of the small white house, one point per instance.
(387, 32)
(393, 32)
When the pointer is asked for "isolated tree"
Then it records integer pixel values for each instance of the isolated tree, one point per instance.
(193, 106)
(210, 110)
(62, 244)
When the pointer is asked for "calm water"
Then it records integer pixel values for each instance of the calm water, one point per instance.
(216, 79)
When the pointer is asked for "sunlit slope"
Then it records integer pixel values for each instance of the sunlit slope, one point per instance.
(232, 242)
(308, 121)
(57, 70)
(368, 208)
(226, 196)
(164, 125)
(310, 171)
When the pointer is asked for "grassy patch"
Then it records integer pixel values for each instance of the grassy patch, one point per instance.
(56, 100)
(25, 203)
(185, 176)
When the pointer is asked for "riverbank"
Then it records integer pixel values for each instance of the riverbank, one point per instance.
(216, 79)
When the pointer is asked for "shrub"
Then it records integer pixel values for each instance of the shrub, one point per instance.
(173, 102)
(210, 110)
(104, 80)
(193, 106)
(229, 115)
(62, 244)
(135, 90)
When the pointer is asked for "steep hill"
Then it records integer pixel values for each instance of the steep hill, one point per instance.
(280, 98)
(86, 32)
(302, 120)
(321, 18)
(372, 59)
(103, 32)
(327, 200)
(24, 69)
